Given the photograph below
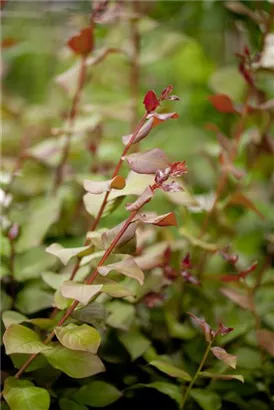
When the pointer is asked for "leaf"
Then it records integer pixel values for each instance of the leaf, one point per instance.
(208, 400)
(83, 42)
(266, 340)
(19, 360)
(30, 264)
(154, 119)
(32, 298)
(79, 291)
(168, 219)
(55, 280)
(42, 214)
(210, 247)
(169, 389)
(222, 376)
(238, 198)
(116, 290)
(127, 267)
(135, 343)
(97, 394)
(222, 103)
(171, 370)
(141, 201)
(151, 101)
(74, 363)
(60, 302)
(221, 354)
(10, 317)
(20, 339)
(203, 325)
(121, 314)
(152, 256)
(238, 298)
(94, 314)
(108, 236)
(148, 162)
(65, 254)
(66, 404)
(23, 395)
(76, 337)
(99, 187)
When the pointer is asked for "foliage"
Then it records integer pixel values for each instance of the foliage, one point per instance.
(137, 225)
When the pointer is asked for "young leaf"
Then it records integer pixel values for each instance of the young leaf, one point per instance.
(99, 187)
(151, 101)
(221, 354)
(23, 395)
(171, 370)
(135, 343)
(141, 201)
(222, 103)
(148, 162)
(203, 325)
(79, 291)
(97, 394)
(75, 363)
(76, 337)
(65, 254)
(127, 267)
(83, 42)
(20, 339)
(266, 340)
(159, 220)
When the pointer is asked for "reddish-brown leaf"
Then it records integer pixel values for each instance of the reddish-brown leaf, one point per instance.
(151, 101)
(222, 103)
(186, 262)
(178, 169)
(141, 201)
(203, 325)
(166, 92)
(153, 299)
(168, 219)
(162, 175)
(83, 42)
(172, 187)
(222, 330)
(238, 298)
(221, 354)
(266, 340)
(159, 118)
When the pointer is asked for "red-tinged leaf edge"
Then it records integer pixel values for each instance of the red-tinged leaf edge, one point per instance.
(203, 325)
(222, 103)
(83, 42)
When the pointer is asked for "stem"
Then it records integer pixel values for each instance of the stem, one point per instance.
(134, 63)
(193, 381)
(71, 120)
(12, 283)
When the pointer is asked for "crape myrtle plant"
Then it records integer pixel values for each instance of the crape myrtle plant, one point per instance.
(131, 305)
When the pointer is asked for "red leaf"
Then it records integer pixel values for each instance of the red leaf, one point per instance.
(186, 263)
(153, 299)
(238, 198)
(170, 273)
(166, 91)
(8, 42)
(222, 330)
(222, 103)
(203, 325)
(151, 101)
(238, 298)
(227, 257)
(168, 219)
(158, 118)
(188, 277)
(83, 42)
(221, 354)
(172, 187)
(178, 169)
(162, 175)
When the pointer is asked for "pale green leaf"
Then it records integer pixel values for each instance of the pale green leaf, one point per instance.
(97, 394)
(135, 343)
(121, 314)
(66, 254)
(170, 370)
(208, 400)
(76, 337)
(127, 267)
(20, 339)
(11, 317)
(74, 363)
(79, 291)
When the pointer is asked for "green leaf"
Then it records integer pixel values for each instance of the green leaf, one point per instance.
(97, 394)
(222, 376)
(30, 264)
(116, 290)
(20, 339)
(207, 399)
(121, 314)
(76, 337)
(32, 298)
(42, 214)
(23, 395)
(171, 370)
(74, 363)
(79, 291)
(135, 343)
(66, 254)
(6, 301)
(127, 267)
(38, 363)
(60, 301)
(66, 404)
(11, 317)
(94, 314)
(55, 280)
(171, 390)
